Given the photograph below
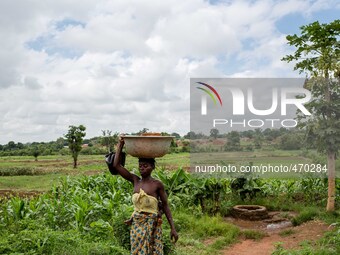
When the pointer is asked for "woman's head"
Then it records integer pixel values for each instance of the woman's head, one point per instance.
(146, 165)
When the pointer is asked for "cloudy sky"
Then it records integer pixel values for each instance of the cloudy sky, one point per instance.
(124, 65)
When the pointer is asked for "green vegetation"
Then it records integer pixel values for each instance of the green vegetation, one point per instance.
(253, 234)
(287, 232)
(34, 182)
(24, 173)
(88, 211)
(305, 215)
(15, 171)
(83, 209)
(201, 234)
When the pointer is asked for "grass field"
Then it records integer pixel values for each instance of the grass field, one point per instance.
(41, 175)
(51, 168)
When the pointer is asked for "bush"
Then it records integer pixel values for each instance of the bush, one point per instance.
(122, 231)
(206, 226)
(291, 141)
(306, 215)
(253, 234)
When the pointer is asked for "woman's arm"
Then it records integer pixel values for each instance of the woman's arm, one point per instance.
(166, 208)
(120, 169)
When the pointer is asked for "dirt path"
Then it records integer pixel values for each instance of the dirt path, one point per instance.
(311, 231)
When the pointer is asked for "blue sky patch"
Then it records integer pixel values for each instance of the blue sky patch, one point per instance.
(40, 43)
(63, 24)
(290, 24)
(325, 16)
(46, 42)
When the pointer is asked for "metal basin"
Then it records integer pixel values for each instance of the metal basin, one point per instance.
(147, 146)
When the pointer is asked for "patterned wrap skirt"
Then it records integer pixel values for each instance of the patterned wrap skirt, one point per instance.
(146, 234)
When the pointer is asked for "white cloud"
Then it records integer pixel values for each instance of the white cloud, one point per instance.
(125, 65)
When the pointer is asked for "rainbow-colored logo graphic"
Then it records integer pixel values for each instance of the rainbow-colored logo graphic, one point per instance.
(211, 92)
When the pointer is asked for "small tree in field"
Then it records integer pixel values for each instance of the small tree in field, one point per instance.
(35, 152)
(74, 138)
(233, 142)
(214, 133)
(318, 55)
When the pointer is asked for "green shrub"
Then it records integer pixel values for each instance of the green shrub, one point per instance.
(121, 231)
(51, 242)
(304, 216)
(253, 234)
(205, 226)
(226, 207)
(287, 232)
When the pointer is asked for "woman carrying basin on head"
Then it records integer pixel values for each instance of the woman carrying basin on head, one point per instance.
(146, 229)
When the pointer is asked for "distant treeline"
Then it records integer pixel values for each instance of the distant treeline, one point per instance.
(60, 146)
(286, 139)
(93, 146)
(283, 139)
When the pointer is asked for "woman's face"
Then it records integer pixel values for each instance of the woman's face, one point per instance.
(145, 168)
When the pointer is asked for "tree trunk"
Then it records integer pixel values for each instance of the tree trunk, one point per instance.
(331, 182)
(74, 163)
(330, 154)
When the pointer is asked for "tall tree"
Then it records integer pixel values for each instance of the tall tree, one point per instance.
(258, 138)
(74, 138)
(176, 135)
(144, 130)
(109, 139)
(190, 135)
(11, 145)
(318, 55)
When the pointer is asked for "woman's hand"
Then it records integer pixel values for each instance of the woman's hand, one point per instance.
(173, 235)
(121, 141)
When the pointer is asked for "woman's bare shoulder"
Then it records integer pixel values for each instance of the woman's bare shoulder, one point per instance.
(158, 183)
